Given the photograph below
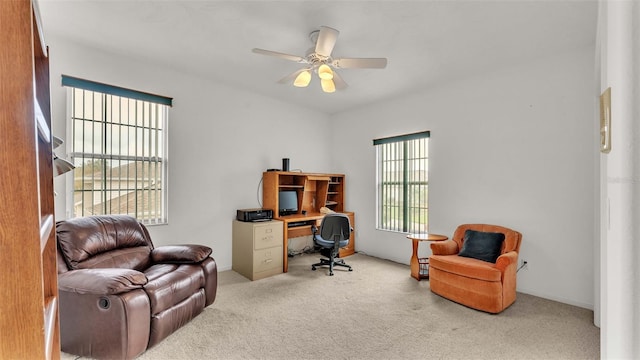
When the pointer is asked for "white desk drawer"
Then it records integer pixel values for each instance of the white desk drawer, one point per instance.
(266, 259)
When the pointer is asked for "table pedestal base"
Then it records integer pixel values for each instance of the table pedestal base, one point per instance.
(420, 266)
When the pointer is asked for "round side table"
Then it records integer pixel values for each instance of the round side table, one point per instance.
(420, 266)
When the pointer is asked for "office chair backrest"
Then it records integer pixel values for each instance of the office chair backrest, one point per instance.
(335, 227)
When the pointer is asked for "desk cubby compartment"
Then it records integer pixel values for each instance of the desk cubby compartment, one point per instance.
(291, 182)
(335, 194)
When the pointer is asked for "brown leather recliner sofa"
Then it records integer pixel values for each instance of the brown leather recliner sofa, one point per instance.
(477, 267)
(119, 295)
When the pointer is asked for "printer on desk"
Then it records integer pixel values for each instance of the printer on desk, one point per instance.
(253, 215)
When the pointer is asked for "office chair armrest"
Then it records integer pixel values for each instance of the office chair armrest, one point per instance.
(314, 230)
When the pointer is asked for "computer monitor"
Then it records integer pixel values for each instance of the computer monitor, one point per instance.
(288, 202)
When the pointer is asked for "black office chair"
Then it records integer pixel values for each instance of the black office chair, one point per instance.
(335, 231)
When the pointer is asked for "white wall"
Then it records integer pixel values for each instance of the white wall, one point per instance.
(220, 141)
(512, 147)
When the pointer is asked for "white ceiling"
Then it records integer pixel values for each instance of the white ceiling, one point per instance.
(426, 42)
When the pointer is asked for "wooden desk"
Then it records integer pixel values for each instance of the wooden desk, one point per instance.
(305, 230)
(314, 191)
(420, 266)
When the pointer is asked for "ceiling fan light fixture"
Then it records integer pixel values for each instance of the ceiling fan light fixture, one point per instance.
(320, 60)
(327, 85)
(325, 72)
(303, 79)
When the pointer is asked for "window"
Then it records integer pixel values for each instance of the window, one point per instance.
(119, 148)
(403, 183)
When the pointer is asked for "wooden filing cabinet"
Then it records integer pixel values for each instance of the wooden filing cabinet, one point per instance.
(257, 248)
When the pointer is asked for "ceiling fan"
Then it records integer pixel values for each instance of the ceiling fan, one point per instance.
(318, 60)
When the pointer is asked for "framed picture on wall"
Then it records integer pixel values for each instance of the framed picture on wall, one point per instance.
(605, 121)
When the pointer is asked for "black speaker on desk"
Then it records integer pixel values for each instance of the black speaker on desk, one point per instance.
(285, 164)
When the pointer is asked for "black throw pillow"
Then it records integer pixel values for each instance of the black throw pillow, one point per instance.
(483, 246)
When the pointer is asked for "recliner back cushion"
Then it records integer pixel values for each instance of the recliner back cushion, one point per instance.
(512, 238)
(104, 241)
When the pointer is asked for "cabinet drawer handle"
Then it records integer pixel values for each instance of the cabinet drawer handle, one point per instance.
(266, 261)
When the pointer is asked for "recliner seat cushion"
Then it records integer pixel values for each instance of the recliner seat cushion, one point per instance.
(170, 284)
(468, 267)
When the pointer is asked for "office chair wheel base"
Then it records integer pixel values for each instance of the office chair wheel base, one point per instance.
(313, 268)
(330, 274)
(350, 269)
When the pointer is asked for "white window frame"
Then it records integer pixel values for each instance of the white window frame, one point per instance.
(143, 163)
(402, 178)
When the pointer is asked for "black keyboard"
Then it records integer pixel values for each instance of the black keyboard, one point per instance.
(297, 223)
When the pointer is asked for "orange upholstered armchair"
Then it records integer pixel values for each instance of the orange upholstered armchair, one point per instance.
(477, 267)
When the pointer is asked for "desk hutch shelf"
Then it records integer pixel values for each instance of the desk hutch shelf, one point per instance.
(314, 190)
(335, 193)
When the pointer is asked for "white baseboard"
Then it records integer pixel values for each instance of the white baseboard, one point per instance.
(558, 299)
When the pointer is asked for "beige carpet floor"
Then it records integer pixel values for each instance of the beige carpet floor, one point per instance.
(375, 312)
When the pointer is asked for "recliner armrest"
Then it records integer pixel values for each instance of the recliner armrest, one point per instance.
(101, 281)
(446, 247)
(506, 259)
(180, 254)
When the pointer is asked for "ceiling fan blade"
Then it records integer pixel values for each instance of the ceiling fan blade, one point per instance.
(360, 63)
(289, 78)
(326, 40)
(280, 55)
(338, 81)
